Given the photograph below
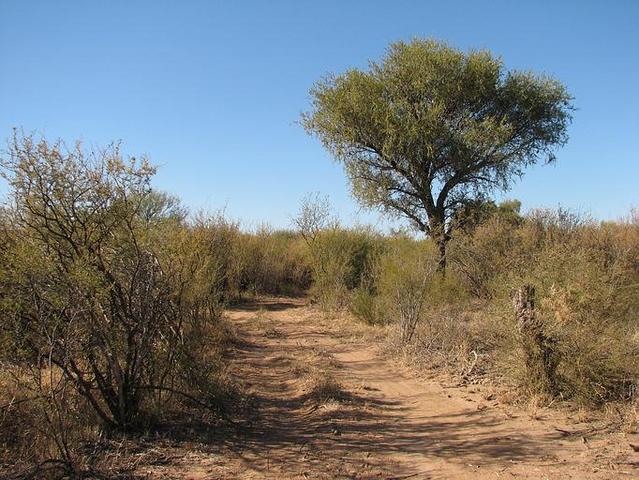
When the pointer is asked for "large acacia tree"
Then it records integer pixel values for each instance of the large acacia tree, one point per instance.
(430, 130)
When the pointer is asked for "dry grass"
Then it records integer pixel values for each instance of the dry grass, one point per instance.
(47, 430)
(322, 386)
(316, 373)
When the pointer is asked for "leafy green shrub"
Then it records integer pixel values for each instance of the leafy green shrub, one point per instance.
(364, 305)
(340, 261)
(272, 262)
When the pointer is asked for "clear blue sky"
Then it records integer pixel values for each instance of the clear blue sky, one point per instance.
(212, 90)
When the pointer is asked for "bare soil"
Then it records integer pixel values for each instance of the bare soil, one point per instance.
(321, 402)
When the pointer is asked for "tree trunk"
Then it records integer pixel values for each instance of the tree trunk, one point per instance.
(441, 264)
(437, 232)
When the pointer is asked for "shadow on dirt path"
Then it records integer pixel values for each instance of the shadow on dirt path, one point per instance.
(378, 422)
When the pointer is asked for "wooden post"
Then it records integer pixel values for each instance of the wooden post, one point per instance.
(541, 357)
(524, 303)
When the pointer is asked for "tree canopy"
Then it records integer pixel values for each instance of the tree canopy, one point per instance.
(431, 129)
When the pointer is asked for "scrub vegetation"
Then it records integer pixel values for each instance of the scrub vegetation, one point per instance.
(113, 295)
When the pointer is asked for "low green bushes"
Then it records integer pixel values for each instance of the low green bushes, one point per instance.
(271, 262)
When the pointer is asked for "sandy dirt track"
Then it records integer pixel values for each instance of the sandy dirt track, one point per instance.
(385, 422)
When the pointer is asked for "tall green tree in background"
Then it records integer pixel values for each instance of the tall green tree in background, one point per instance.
(431, 129)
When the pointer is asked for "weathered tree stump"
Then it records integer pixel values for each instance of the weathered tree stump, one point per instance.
(539, 349)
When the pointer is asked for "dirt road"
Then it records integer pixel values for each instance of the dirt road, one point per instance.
(323, 404)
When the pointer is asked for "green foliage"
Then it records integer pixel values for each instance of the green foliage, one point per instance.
(430, 129)
(365, 306)
(340, 260)
(476, 213)
(272, 262)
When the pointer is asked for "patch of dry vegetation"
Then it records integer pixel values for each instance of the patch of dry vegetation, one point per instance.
(112, 298)
(586, 280)
(110, 303)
